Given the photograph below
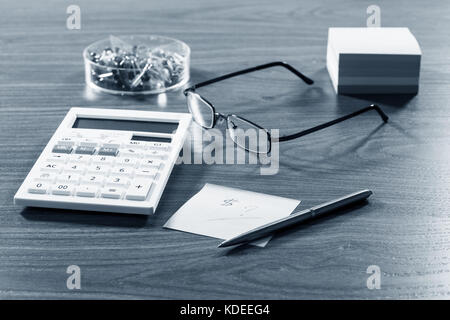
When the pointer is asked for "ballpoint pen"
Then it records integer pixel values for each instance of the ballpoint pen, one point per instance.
(297, 217)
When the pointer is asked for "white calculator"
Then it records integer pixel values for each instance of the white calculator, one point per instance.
(106, 160)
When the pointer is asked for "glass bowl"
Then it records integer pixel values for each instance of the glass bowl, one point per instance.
(141, 64)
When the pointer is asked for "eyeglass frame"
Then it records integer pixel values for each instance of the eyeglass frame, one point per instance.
(217, 115)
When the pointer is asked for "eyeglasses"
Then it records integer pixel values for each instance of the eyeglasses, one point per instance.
(243, 132)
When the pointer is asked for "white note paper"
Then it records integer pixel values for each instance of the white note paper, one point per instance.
(222, 212)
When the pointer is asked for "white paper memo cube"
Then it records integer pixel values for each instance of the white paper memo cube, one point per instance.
(373, 60)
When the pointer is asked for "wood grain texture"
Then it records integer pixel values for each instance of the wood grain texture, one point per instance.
(405, 228)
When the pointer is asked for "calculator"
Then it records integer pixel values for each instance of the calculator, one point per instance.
(106, 160)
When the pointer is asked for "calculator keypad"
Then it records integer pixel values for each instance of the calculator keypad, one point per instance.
(88, 167)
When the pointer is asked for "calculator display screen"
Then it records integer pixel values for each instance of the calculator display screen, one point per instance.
(125, 125)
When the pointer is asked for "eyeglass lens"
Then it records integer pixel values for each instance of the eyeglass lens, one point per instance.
(247, 135)
(201, 111)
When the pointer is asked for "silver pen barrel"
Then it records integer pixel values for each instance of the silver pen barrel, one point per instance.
(296, 218)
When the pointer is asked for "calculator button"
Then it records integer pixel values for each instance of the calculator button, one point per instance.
(158, 146)
(62, 189)
(52, 167)
(86, 191)
(117, 181)
(66, 141)
(108, 151)
(57, 157)
(45, 176)
(112, 144)
(75, 168)
(38, 187)
(126, 171)
(59, 148)
(113, 193)
(98, 169)
(102, 160)
(158, 154)
(135, 144)
(151, 163)
(138, 190)
(87, 142)
(130, 153)
(147, 173)
(127, 162)
(71, 177)
(85, 150)
(92, 179)
(80, 158)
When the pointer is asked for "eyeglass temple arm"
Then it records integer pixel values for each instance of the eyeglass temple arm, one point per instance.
(257, 68)
(330, 123)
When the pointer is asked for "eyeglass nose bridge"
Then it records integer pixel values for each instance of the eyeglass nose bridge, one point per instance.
(220, 116)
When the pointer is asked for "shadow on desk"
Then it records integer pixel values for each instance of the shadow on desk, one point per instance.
(393, 100)
(86, 217)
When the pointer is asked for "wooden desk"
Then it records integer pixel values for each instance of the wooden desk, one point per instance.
(405, 228)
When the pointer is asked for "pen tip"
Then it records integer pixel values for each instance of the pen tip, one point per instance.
(222, 244)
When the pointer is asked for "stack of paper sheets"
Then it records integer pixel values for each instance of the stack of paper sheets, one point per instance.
(373, 60)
